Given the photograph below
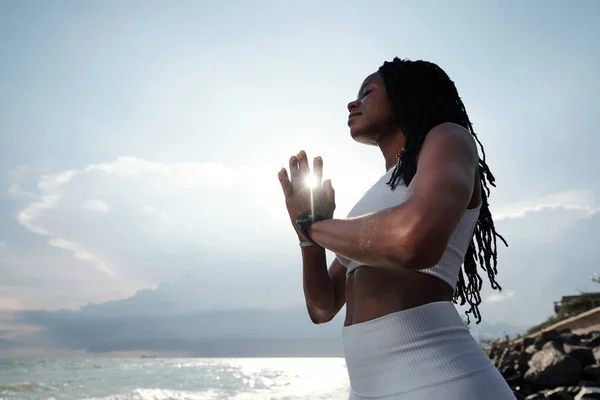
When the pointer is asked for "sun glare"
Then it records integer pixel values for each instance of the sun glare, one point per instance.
(311, 181)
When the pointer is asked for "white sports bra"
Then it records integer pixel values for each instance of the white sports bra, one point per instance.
(381, 196)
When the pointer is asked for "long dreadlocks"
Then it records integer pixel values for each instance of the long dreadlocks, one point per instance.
(424, 96)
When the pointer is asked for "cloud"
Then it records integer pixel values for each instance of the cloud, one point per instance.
(3, 244)
(81, 254)
(147, 321)
(225, 229)
(494, 298)
(552, 252)
(165, 220)
(149, 210)
(95, 206)
(582, 202)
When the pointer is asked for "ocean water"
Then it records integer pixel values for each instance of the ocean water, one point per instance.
(173, 378)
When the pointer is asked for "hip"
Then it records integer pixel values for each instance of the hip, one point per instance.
(413, 349)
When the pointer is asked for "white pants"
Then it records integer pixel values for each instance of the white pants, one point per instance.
(421, 353)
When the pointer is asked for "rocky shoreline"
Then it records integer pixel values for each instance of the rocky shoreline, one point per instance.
(557, 365)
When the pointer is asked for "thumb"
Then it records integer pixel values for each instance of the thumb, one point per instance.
(329, 190)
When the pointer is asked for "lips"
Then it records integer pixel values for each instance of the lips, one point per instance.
(351, 116)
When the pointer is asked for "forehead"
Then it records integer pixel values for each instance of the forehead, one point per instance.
(373, 78)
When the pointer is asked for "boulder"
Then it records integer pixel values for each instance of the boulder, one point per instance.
(539, 343)
(596, 351)
(583, 354)
(592, 373)
(551, 367)
(588, 393)
(553, 335)
(592, 340)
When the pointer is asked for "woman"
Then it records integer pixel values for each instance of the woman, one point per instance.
(400, 251)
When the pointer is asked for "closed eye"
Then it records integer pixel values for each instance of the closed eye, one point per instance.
(366, 93)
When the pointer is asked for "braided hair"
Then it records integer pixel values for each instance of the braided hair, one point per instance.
(423, 97)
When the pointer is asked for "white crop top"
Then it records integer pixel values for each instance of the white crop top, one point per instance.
(381, 196)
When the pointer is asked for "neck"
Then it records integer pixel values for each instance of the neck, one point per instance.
(390, 147)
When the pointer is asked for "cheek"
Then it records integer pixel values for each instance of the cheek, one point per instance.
(381, 113)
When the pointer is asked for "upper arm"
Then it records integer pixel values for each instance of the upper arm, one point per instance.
(443, 185)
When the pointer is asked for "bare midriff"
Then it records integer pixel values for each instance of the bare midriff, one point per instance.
(374, 292)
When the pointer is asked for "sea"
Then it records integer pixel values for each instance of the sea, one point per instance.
(104, 378)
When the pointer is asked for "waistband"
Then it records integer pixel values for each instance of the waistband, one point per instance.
(410, 349)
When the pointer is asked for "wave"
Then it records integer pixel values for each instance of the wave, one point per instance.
(212, 394)
(22, 387)
(163, 394)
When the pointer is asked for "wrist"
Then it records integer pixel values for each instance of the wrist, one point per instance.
(304, 223)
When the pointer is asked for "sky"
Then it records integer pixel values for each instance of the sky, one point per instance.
(140, 143)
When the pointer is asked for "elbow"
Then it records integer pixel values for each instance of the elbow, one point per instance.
(318, 316)
(319, 319)
(415, 249)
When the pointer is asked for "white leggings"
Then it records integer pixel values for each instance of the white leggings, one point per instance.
(421, 353)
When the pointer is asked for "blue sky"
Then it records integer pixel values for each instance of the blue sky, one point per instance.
(137, 137)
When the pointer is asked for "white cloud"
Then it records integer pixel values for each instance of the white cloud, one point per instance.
(81, 254)
(497, 297)
(149, 210)
(164, 220)
(95, 205)
(3, 243)
(581, 201)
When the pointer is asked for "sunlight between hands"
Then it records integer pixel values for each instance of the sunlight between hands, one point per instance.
(298, 185)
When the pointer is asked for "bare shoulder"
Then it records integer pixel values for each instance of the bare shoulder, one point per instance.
(451, 139)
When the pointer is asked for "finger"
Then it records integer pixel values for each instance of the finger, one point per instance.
(318, 171)
(303, 163)
(294, 170)
(329, 190)
(286, 185)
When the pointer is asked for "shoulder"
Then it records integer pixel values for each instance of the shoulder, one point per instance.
(450, 140)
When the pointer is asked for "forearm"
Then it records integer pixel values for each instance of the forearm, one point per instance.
(385, 239)
(318, 287)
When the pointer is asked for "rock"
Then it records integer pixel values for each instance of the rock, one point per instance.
(528, 341)
(539, 343)
(511, 375)
(550, 367)
(592, 372)
(584, 383)
(588, 393)
(536, 396)
(566, 336)
(596, 352)
(562, 393)
(550, 335)
(584, 355)
(559, 393)
(593, 340)
(518, 395)
(531, 349)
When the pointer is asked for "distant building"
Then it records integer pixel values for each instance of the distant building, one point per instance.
(594, 298)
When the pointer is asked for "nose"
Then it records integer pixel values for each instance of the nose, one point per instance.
(353, 105)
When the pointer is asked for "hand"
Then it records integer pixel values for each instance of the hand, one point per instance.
(297, 192)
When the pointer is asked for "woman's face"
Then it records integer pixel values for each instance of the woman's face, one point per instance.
(372, 113)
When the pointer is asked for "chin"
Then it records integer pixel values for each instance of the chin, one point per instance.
(362, 136)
